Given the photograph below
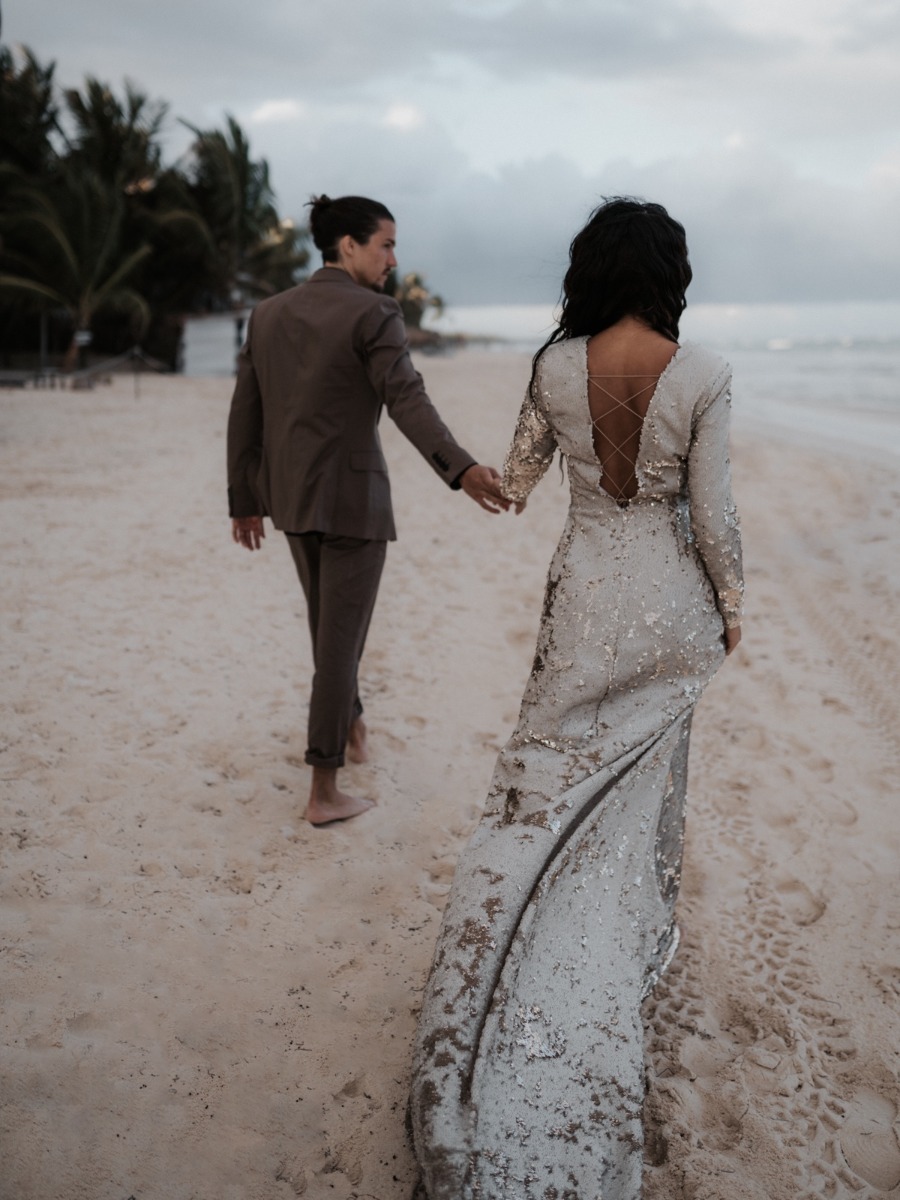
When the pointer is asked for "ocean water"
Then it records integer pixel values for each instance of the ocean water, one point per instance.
(757, 326)
(820, 373)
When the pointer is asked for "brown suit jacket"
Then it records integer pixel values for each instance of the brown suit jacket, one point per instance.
(319, 363)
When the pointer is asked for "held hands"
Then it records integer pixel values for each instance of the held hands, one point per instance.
(483, 485)
(248, 531)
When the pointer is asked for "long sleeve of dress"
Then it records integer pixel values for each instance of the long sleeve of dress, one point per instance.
(713, 514)
(530, 452)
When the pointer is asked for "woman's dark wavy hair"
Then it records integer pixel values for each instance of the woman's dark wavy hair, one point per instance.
(631, 259)
(330, 220)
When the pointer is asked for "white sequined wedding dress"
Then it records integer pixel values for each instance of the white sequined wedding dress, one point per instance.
(528, 1073)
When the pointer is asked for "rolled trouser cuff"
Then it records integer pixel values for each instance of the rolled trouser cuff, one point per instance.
(314, 758)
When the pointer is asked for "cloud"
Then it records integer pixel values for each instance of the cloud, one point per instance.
(758, 231)
(611, 39)
(404, 116)
(669, 64)
(345, 44)
(886, 171)
(400, 165)
(277, 110)
(869, 24)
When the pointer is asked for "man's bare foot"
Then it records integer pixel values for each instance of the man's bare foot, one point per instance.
(357, 742)
(342, 809)
(327, 803)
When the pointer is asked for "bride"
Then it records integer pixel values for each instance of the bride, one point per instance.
(528, 1074)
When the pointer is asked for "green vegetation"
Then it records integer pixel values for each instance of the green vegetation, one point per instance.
(102, 243)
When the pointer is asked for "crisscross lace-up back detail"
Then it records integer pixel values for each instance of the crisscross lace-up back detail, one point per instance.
(616, 425)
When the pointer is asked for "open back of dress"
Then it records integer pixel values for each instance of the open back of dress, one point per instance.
(617, 422)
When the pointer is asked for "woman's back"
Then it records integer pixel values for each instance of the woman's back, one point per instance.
(624, 366)
(670, 478)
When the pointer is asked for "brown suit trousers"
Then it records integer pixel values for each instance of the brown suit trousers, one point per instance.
(339, 577)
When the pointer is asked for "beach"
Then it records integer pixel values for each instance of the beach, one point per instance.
(207, 999)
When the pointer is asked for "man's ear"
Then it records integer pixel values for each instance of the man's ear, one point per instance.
(346, 245)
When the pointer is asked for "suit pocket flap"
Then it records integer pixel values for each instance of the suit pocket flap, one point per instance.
(368, 460)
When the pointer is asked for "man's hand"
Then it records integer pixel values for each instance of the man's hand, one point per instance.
(248, 531)
(483, 485)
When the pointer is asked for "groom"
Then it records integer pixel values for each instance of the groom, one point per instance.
(320, 362)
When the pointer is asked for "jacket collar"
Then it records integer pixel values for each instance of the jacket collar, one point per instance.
(332, 275)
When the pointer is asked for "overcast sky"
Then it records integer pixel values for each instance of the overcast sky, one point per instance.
(770, 128)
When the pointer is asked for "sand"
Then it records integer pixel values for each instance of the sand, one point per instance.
(206, 999)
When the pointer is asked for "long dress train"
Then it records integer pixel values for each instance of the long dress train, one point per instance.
(528, 1071)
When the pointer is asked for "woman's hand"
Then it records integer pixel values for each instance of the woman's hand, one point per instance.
(732, 637)
(482, 484)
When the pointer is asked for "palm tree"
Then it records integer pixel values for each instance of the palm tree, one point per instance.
(93, 224)
(254, 253)
(103, 229)
(118, 140)
(69, 239)
(28, 113)
(67, 252)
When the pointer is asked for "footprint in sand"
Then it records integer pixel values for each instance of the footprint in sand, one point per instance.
(751, 739)
(868, 1141)
(358, 1089)
(83, 1023)
(394, 743)
(440, 876)
(799, 903)
(718, 1115)
(887, 979)
(804, 760)
(441, 871)
(351, 1089)
(293, 1175)
(43, 1041)
(838, 811)
(333, 1174)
